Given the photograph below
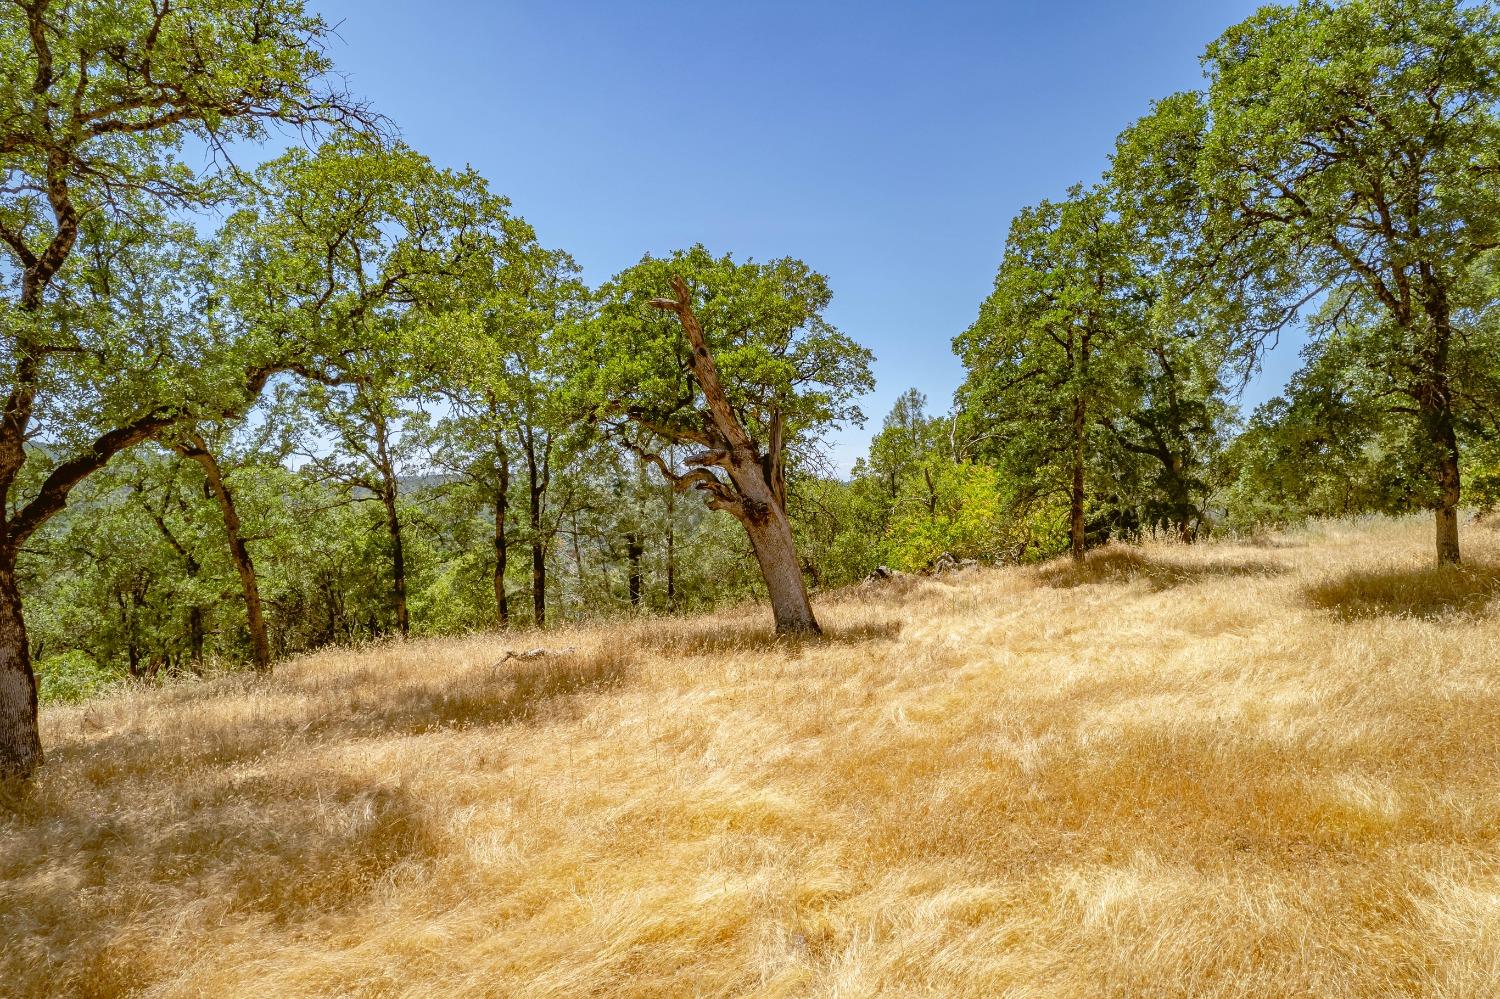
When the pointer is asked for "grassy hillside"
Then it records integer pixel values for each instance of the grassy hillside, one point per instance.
(1266, 770)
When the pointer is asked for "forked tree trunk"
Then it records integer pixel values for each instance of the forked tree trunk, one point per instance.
(22, 746)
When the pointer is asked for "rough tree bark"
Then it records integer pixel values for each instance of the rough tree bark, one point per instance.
(21, 748)
(1435, 401)
(756, 491)
(196, 448)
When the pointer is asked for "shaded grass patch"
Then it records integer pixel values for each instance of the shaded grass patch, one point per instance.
(1124, 564)
(1428, 592)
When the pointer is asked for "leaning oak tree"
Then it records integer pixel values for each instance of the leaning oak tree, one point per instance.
(737, 361)
(96, 104)
(1351, 147)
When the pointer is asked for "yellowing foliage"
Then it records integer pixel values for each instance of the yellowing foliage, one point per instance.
(964, 509)
(1232, 770)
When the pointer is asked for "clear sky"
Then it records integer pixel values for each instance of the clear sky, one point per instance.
(887, 144)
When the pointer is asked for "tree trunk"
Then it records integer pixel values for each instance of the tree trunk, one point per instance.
(771, 537)
(633, 551)
(671, 551)
(536, 487)
(502, 510)
(1077, 528)
(538, 582)
(398, 559)
(756, 491)
(761, 510)
(239, 552)
(502, 603)
(20, 743)
(1435, 401)
(1449, 490)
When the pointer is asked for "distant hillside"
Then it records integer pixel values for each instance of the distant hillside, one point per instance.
(1268, 770)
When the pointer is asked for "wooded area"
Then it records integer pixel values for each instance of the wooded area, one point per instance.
(350, 393)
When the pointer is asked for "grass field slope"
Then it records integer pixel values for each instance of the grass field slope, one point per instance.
(1229, 770)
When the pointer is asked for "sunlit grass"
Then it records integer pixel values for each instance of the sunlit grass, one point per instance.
(1268, 770)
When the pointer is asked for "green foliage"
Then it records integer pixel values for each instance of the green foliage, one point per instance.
(1342, 160)
(968, 517)
(765, 328)
(71, 677)
(469, 417)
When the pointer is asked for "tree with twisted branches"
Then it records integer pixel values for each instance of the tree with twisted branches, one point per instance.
(98, 103)
(735, 361)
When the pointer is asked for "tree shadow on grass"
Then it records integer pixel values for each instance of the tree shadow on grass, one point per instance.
(720, 638)
(101, 885)
(230, 812)
(1269, 541)
(1425, 593)
(497, 694)
(359, 704)
(1120, 564)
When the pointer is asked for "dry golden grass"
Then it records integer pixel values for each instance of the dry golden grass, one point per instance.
(1226, 771)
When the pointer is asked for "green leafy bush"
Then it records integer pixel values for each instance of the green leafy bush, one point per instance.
(71, 677)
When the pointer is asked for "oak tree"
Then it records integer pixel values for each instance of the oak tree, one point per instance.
(97, 104)
(736, 361)
(1349, 149)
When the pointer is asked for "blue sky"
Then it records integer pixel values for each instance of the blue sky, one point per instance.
(888, 145)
